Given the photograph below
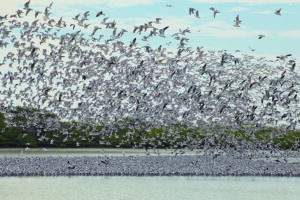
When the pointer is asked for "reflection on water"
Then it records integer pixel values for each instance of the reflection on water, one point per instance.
(154, 188)
(11, 152)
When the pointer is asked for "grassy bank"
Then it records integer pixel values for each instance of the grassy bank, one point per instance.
(21, 127)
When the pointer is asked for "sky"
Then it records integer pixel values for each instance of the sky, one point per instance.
(282, 33)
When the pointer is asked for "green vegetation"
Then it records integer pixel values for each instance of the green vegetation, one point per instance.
(37, 128)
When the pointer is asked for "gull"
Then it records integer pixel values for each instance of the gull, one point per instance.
(73, 26)
(277, 12)
(50, 22)
(293, 65)
(19, 12)
(261, 36)
(100, 13)
(197, 14)
(27, 11)
(237, 21)
(215, 11)
(223, 59)
(95, 29)
(76, 18)
(191, 11)
(162, 31)
(34, 23)
(37, 13)
(283, 57)
(26, 5)
(3, 17)
(135, 29)
(59, 23)
(145, 38)
(157, 20)
(50, 5)
(86, 14)
(133, 43)
(104, 20)
(47, 13)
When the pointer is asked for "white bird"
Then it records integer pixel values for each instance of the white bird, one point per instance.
(26, 5)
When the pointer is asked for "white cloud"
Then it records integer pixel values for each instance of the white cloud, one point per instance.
(237, 9)
(230, 33)
(222, 29)
(265, 12)
(247, 1)
(289, 34)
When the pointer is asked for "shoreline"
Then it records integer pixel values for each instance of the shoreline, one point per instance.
(179, 165)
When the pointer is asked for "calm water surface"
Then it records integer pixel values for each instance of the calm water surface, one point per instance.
(12, 152)
(152, 188)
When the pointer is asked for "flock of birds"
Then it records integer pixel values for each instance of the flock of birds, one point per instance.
(237, 21)
(89, 74)
(186, 165)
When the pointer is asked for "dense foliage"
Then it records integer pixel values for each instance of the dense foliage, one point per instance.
(21, 127)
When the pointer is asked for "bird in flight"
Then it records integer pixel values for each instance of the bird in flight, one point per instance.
(100, 13)
(197, 14)
(26, 5)
(191, 11)
(157, 20)
(237, 21)
(277, 12)
(261, 36)
(215, 11)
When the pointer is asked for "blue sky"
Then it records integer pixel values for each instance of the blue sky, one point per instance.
(282, 32)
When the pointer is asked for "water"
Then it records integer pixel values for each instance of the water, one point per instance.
(12, 152)
(152, 188)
